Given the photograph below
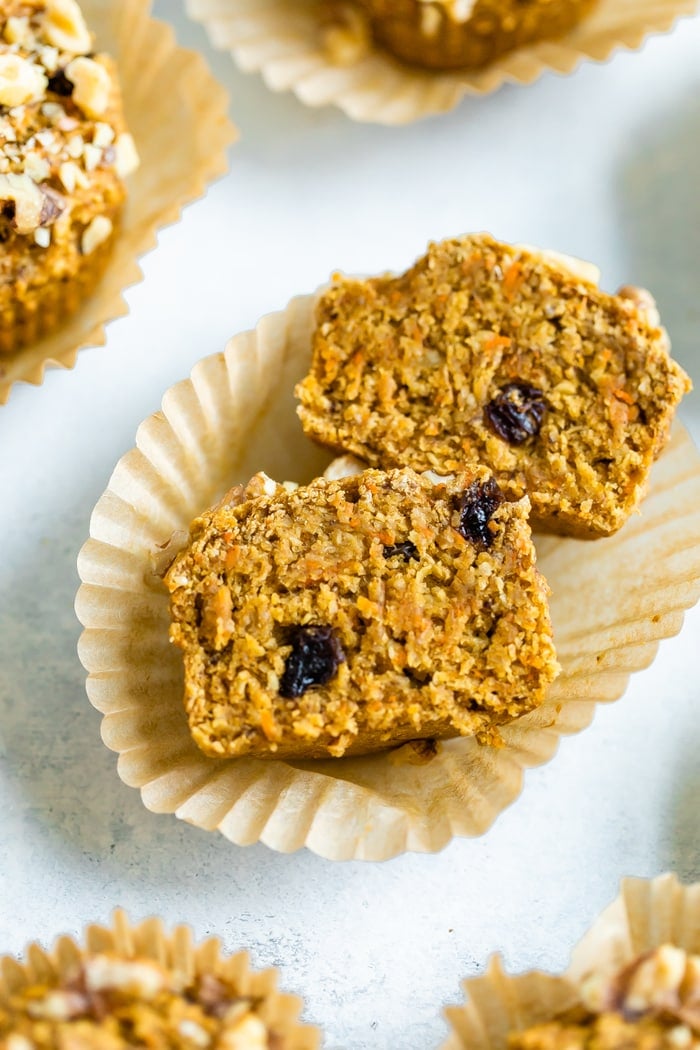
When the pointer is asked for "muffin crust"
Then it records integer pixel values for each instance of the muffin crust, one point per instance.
(64, 154)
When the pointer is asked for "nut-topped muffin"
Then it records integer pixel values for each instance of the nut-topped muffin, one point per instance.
(651, 1004)
(64, 155)
(144, 986)
(467, 34)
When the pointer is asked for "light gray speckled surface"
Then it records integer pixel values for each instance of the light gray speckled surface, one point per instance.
(605, 165)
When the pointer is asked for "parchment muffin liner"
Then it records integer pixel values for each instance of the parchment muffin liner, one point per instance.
(174, 950)
(176, 112)
(647, 914)
(612, 601)
(282, 40)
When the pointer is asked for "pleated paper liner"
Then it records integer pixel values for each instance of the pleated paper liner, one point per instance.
(176, 112)
(612, 600)
(174, 950)
(283, 40)
(647, 914)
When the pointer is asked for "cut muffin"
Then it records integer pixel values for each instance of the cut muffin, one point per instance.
(486, 352)
(653, 1004)
(348, 616)
(64, 155)
(467, 34)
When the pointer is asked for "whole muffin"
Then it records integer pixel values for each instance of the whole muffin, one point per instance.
(144, 986)
(651, 1004)
(64, 154)
(467, 34)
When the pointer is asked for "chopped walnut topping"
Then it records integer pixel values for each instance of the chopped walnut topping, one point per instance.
(15, 1041)
(65, 27)
(194, 1033)
(247, 1034)
(665, 982)
(27, 198)
(103, 136)
(134, 977)
(99, 230)
(17, 31)
(71, 176)
(92, 155)
(36, 167)
(20, 81)
(127, 159)
(58, 1006)
(92, 85)
(52, 206)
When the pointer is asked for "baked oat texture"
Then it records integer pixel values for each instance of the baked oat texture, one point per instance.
(467, 34)
(348, 616)
(653, 1004)
(64, 154)
(514, 358)
(109, 1002)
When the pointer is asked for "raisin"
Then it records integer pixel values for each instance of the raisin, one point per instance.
(59, 84)
(315, 657)
(476, 508)
(407, 550)
(516, 412)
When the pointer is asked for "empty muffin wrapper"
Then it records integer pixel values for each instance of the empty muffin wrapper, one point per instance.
(646, 915)
(181, 134)
(612, 601)
(284, 41)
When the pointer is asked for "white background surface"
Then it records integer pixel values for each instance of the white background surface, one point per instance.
(604, 164)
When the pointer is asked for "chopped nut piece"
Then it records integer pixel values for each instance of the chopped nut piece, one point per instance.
(17, 31)
(92, 155)
(104, 135)
(68, 174)
(27, 198)
(99, 230)
(92, 85)
(42, 237)
(248, 1034)
(127, 158)
(194, 1033)
(65, 27)
(135, 977)
(20, 81)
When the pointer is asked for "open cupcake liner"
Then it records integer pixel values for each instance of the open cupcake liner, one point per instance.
(282, 40)
(647, 914)
(174, 950)
(182, 134)
(612, 601)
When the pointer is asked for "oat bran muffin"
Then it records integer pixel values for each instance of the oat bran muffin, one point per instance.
(466, 34)
(652, 1004)
(348, 616)
(64, 154)
(503, 355)
(111, 1001)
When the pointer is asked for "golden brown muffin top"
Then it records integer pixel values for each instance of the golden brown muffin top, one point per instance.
(62, 130)
(109, 1002)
